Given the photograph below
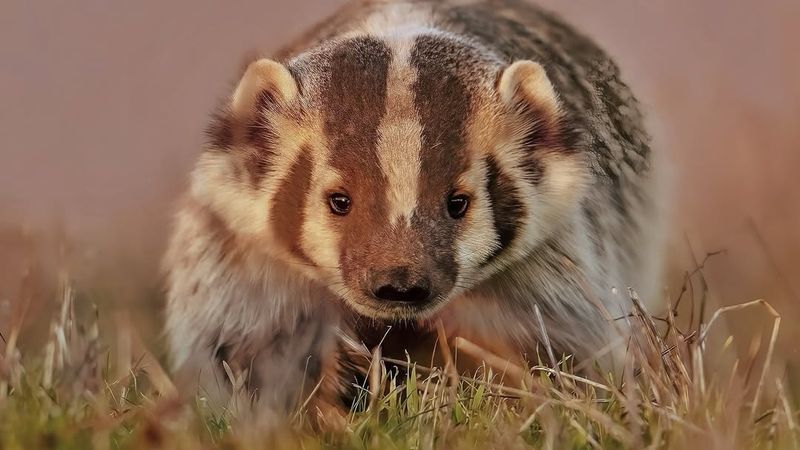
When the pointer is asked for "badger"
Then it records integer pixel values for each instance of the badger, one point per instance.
(474, 164)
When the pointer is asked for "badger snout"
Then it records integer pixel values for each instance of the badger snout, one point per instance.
(400, 285)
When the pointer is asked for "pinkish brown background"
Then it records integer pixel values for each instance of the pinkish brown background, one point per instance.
(104, 103)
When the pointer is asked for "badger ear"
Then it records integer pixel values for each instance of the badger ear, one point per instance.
(524, 84)
(263, 77)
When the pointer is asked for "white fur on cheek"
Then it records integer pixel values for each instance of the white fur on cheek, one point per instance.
(478, 238)
(213, 183)
(559, 193)
(319, 239)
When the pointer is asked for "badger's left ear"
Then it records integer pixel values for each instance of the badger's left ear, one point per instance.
(524, 86)
(262, 77)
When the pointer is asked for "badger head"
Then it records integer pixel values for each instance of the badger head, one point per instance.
(397, 171)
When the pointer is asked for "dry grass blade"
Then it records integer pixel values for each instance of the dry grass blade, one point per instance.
(505, 366)
(572, 377)
(155, 372)
(668, 396)
(787, 411)
(303, 407)
(444, 348)
(546, 340)
(375, 378)
(770, 349)
(531, 418)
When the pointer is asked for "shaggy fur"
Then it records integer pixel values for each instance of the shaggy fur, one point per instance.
(403, 107)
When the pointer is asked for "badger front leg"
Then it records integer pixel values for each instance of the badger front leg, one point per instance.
(281, 370)
(275, 332)
(265, 373)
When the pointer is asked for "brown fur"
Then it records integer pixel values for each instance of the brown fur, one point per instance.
(399, 106)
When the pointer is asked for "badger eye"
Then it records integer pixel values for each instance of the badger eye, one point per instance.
(457, 205)
(339, 203)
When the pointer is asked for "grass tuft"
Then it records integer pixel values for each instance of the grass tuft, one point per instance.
(83, 389)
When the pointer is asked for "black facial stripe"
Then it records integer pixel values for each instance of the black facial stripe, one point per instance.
(354, 102)
(507, 208)
(353, 105)
(443, 101)
(288, 205)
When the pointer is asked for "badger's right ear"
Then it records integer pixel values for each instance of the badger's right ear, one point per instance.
(263, 78)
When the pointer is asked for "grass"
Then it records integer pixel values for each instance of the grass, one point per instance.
(105, 390)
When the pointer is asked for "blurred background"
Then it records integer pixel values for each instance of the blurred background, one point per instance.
(104, 106)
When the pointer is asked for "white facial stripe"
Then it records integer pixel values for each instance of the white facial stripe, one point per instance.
(396, 17)
(400, 136)
(319, 238)
(479, 237)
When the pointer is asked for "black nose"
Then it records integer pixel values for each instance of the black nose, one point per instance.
(414, 294)
(398, 285)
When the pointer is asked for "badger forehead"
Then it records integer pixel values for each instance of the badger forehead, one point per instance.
(395, 107)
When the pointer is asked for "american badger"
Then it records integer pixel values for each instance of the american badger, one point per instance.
(478, 163)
